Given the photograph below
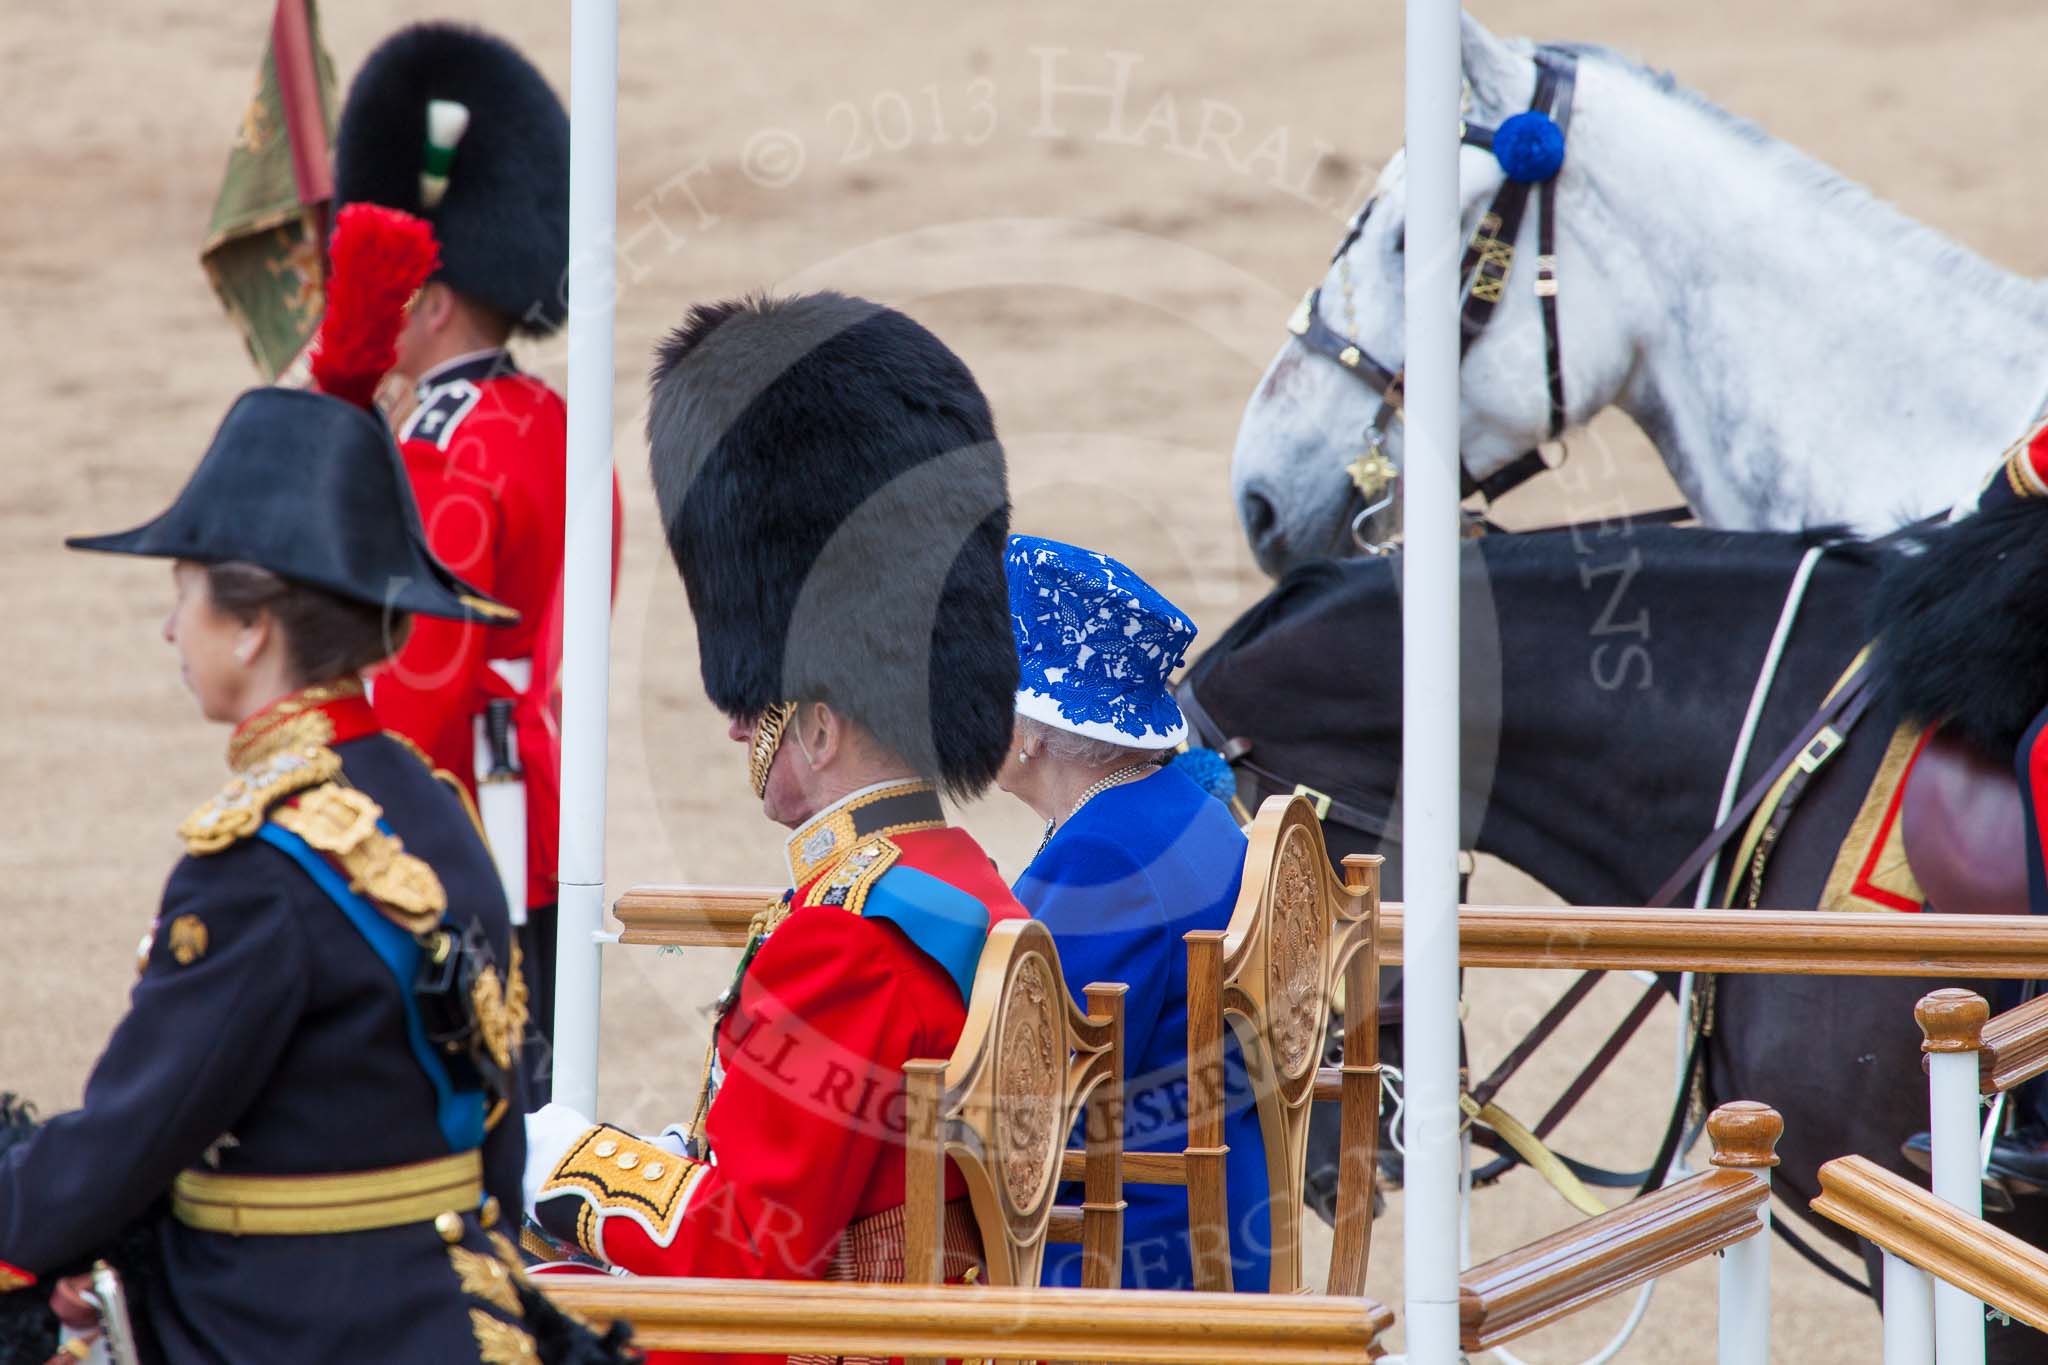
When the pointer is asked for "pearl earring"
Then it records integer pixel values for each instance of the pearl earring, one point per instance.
(1023, 755)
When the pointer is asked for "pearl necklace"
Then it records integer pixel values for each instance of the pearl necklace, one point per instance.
(1120, 775)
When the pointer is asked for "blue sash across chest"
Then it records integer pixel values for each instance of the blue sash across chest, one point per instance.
(460, 1113)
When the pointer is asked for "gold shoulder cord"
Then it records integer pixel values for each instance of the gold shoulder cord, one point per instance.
(240, 808)
(342, 822)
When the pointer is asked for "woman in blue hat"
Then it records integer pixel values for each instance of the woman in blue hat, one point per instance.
(1135, 856)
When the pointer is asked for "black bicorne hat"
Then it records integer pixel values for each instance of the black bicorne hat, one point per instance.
(502, 217)
(312, 489)
(836, 501)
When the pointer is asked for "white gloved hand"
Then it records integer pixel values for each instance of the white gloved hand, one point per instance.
(551, 1131)
(672, 1139)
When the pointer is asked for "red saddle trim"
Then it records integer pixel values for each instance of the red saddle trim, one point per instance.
(1863, 887)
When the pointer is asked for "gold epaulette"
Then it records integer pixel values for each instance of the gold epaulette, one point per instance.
(241, 807)
(341, 822)
(846, 885)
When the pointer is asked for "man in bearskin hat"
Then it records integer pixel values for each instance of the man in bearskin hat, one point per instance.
(454, 125)
(835, 500)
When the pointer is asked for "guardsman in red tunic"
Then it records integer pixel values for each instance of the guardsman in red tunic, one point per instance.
(835, 500)
(455, 126)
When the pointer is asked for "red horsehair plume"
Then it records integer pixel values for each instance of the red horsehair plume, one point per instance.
(378, 258)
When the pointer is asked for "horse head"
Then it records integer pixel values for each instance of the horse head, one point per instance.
(1686, 241)
(1310, 419)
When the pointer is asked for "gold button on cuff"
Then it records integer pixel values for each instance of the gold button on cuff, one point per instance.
(628, 1160)
(449, 1225)
(606, 1148)
(655, 1170)
(490, 1213)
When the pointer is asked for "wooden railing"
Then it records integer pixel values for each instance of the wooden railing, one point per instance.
(1636, 1242)
(1805, 942)
(1914, 1226)
(1797, 941)
(2014, 1047)
(774, 1317)
(691, 916)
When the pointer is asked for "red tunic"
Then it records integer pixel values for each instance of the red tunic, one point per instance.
(806, 1131)
(486, 457)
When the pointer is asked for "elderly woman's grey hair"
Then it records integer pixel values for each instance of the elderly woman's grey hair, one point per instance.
(1064, 746)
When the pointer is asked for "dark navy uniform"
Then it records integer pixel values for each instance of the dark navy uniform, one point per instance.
(268, 1037)
(312, 1106)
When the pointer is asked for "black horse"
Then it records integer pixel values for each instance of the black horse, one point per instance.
(1605, 680)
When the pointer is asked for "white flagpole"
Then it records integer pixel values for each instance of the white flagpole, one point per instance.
(1429, 683)
(587, 561)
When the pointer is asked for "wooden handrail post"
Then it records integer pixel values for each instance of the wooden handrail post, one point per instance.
(1208, 1198)
(1745, 1138)
(924, 1173)
(1952, 1024)
(1102, 1186)
(1359, 1089)
(924, 1179)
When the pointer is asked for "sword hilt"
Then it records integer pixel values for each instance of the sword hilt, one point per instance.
(498, 736)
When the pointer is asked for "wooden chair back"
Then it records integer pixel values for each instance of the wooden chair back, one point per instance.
(1027, 1065)
(1273, 974)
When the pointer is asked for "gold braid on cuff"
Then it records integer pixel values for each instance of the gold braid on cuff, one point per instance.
(767, 739)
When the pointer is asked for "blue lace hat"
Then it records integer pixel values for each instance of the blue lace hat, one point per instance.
(1095, 645)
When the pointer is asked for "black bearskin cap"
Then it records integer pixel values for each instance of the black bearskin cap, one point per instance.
(503, 224)
(1965, 626)
(836, 501)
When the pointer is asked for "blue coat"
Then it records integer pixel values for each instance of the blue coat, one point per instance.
(1135, 869)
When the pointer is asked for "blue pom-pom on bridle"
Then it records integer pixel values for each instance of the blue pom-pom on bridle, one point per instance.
(1208, 770)
(1529, 147)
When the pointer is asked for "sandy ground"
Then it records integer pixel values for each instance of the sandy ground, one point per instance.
(1117, 300)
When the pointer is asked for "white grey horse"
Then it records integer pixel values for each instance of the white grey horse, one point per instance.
(1800, 352)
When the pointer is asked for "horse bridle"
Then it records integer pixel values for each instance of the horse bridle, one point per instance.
(1483, 277)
